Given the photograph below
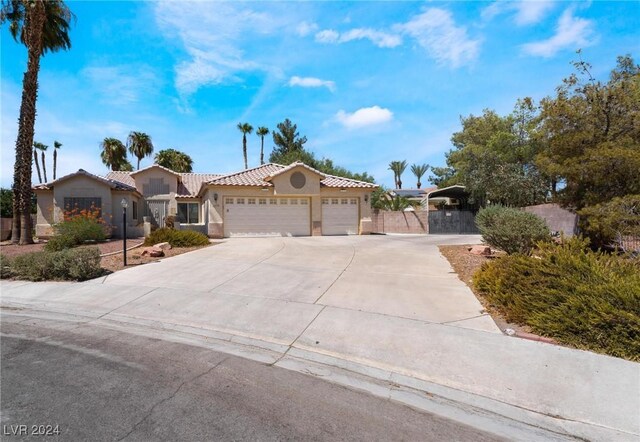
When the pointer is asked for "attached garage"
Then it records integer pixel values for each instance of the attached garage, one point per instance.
(266, 216)
(340, 216)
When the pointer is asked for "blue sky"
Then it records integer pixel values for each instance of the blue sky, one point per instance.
(367, 83)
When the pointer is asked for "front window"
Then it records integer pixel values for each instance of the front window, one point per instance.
(189, 213)
(78, 205)
(134, 210)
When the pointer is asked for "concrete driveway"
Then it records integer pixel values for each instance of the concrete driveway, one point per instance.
(387, 307)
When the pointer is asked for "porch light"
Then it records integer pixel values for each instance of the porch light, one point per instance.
(215, 197)
(366, 198)
(124, 203)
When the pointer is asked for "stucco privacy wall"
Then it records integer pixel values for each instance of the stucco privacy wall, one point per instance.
(400, 222)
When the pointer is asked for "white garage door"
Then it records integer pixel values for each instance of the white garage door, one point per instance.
(339, 216)
(260, 216)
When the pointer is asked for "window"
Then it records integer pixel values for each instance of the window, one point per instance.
(334, 200)
(284, 201)
(240, 200)
(344, 201)
(134, 210)
(325, 200)
(189, 213)
(155, 186)
(262, 201)
(294, 201)
(304, 201)
(79, 204)
(228, 200)
(251, 201)
(273, 201)
(353, 201)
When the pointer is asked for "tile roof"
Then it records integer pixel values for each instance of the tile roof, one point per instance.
(293, 166)
(258, 176)
(113, 183)
(123, 177)
(157, 166)
(190, 183)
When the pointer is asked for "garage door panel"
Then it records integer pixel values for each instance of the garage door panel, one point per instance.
(256, 216)
(340, 216)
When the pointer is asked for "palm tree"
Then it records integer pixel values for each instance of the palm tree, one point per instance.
(398, 168)
(175, 160)
(43, 149)
(262, 132)
(419, 170)
(56, 145)
(114, 154)
(245, 128)
(42, 26)
(36, 148)
(139, 145)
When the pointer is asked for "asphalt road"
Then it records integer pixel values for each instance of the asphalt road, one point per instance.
(97, 384)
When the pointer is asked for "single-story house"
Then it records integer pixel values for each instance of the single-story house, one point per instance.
(268, 200)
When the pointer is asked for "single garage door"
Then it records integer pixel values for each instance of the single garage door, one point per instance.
(260, 216)
(339, 216)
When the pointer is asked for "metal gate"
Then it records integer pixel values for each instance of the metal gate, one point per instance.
(157, 210)
(452, 222)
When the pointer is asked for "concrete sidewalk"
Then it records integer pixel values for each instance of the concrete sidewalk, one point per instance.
(386, 308)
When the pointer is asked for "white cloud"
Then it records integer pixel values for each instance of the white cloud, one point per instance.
(311, 82)
(525, 12)
(121, 85)
(436, 31)
(571, 32)
(363, 117)
(379, 38)
(306, 28)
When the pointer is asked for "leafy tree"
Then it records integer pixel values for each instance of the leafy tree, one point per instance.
(38, 147)
(6, 203)
(56, 145)
(175, 160)
(139, 145)
(419, 170)
(398, 168)
(287, 140)
(592, 135)
(442, 176)
(42, 26)
(114, 154)
(245, 128)
(262, 132)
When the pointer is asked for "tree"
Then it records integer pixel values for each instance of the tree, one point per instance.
(262, 132)
(6, 203)
(56, 145)
(114, 154)
(42, 26)
(175, 160)
(139, 145)
(419, 170)
(36, 147)
(245, 128)
(592, 135)
(398, 168)
(43, 149)
(287, 140)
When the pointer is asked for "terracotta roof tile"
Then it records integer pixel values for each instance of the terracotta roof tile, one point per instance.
(249, 177)
(109, 181)
(335, 181)
(190, 183)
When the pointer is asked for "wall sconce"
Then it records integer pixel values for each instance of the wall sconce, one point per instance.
(215, 197)
(366, 198)
(343, 190)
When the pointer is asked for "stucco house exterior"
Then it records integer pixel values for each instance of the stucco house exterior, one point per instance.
(268, 200)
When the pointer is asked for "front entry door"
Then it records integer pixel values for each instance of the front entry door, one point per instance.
(157, 210)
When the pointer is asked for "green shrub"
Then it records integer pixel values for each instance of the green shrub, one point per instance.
(606, 223)
(5, 267)
(177, 238)
(511, 230)
(78, 227)
(579, 297)
(71, 264)
(60, 242)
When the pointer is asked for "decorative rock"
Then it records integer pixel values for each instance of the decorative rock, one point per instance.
(163, 246)
(153, 252)
(480, 250)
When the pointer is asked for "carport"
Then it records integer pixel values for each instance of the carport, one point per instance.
(455, 213)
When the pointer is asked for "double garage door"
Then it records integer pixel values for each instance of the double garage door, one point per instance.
(260, 216)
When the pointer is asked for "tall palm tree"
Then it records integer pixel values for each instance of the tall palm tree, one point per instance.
(114, 154)
(262, 132)
(419, 170)
(43, 149)
(245, 128)
(139, 145)
(36, 148)
(42, 26)
(56, 145)
(398, 168)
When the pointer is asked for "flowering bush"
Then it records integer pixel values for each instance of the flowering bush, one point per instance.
(78, 227)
